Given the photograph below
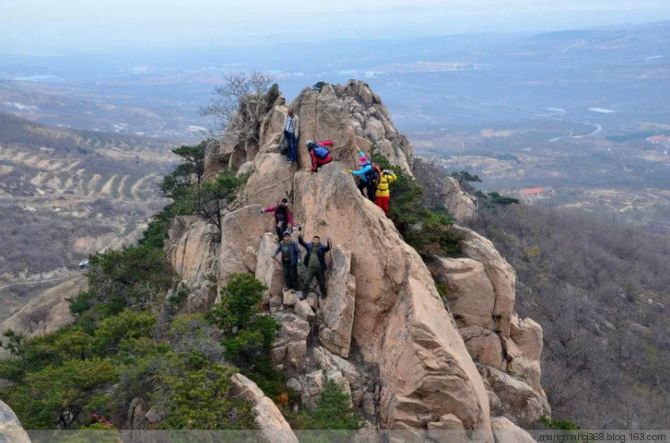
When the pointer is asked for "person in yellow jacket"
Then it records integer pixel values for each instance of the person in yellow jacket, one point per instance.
(383, 194)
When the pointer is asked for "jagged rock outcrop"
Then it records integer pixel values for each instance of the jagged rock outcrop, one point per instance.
(10, 426)
(269, 421)
(336, 312)
(442, 189)
(480, 295)
(351, 115)
(461, 205)
(399, 320)
(192, 246)
(46, 313)
(383, 331)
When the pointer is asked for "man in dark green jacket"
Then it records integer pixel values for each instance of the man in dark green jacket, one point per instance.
(315, 262)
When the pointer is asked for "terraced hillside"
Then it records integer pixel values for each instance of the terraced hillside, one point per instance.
(65, 194)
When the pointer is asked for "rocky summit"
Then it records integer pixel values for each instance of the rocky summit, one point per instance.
(409, 358)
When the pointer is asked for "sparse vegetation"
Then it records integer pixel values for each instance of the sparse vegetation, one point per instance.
(426, 228)
(598, 287)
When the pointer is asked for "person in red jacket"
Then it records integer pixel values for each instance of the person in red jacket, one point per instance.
(319, 154)
(283, 217)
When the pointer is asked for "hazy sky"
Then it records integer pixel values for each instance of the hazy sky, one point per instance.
(34, 26)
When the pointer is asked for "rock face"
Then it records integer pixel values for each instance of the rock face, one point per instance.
(336, 312)
(399, 323)
(192, 247)
(10, 426)
(505, 431)
(382, 332)
(460, 204)
(355, 119)
(269, 421)
(47, 313)
(442, 189)
(480, 295)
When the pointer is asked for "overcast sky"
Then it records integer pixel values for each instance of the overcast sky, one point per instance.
(34, 26)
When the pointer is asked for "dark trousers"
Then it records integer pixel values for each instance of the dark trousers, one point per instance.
(281, 228)
(320, 277)
(369, 188)
(290, 275)
(292, 143)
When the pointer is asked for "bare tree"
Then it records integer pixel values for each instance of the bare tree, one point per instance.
(240, 104)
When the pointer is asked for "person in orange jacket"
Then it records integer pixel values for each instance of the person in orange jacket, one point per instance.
(383, 193)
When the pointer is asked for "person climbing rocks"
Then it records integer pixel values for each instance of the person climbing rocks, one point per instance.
(289, 260)
(315, 262)
(368, 176)
(383, 194)
(291, 134)
(319, 154)
(283, 217)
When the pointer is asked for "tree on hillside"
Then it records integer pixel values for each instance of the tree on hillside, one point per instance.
(239, 105)
(186, 173)
(217, 196)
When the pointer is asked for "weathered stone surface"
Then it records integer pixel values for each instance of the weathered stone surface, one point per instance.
(290, 298)
(304, 310)
(527, 335)
(229, 152)
(399, 321)
(290, 345)
(240, 229)
(47, 313)
(192, 250)
(332, 362)
(484, 346)
(10, 426)
(504, 431)
(347, 115)
(268, 271)
(269, 421)
(270, 182)
(460, 204)
(336, 313)
(469, 291)
(500, 273)
(519, 400)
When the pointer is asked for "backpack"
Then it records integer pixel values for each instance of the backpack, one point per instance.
(321, 151)
(373, 175)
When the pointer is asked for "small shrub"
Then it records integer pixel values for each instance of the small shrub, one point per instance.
(127, 325)
(240, 302)
(332, 411)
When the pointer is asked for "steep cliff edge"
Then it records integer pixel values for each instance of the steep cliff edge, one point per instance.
(410, 359)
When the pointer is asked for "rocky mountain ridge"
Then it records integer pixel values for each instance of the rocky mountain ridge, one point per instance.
(410, 358)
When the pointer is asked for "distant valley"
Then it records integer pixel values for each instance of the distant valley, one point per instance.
(65, 194)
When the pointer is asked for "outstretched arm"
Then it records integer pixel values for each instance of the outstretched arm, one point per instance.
(362, 171)
(270, 209)
(302, 242)
(327, 248)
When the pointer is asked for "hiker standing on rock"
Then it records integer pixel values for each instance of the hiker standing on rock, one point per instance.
(319, 154)
(283, 217)
(291, 134)
(368, 176)
(315, 262)
(289, 261)
(383, 194)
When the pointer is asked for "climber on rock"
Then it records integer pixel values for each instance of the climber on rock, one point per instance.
(291, 134)
(383, 194)
(368, 176)
(315, 262)
(283, 217)
(319, 154)
(289, 261)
